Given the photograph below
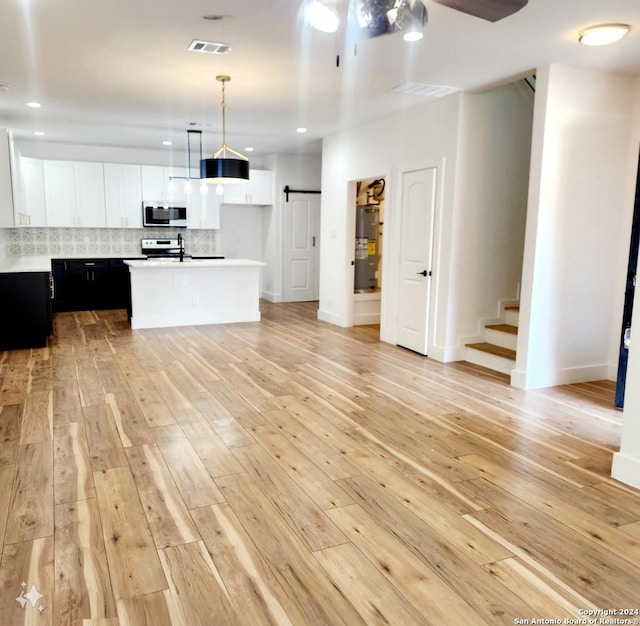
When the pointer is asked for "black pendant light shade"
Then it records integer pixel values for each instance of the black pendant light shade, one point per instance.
(224, 170)
(220, 168)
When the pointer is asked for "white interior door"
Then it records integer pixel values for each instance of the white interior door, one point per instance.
(301, 246)
(418, 209)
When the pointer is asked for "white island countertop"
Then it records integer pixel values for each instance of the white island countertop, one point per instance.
(191, 263)
(166, 292)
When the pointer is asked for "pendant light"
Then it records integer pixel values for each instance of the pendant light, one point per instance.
(222, 169)
(188, 184)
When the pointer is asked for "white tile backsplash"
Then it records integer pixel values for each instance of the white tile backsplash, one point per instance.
(116, 241)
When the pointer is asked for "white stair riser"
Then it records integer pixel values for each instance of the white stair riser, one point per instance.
(499, 338)
(511, 317)
(490, 361)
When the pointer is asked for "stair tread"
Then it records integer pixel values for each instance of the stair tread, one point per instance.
(515, 307)
(493, 349)
(504, 328)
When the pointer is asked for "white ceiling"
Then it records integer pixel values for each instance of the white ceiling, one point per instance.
(118, 72)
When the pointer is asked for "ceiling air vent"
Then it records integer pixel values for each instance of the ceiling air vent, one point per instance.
(420, 89)
(212, 47)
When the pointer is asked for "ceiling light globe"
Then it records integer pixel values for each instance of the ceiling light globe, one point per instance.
(413, 35)
(321, 17)
(603, 34)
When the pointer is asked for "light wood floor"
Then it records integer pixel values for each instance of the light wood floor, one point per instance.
(292, 472)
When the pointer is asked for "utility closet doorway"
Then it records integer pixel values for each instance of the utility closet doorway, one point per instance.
(367, 275)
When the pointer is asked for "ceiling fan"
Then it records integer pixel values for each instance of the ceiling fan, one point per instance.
(382, 17)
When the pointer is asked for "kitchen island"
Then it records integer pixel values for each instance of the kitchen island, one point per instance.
(167, 292)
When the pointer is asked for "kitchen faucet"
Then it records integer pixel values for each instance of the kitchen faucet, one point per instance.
(181, 247)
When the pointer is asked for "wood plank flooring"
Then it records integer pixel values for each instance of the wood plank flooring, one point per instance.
(290, 472)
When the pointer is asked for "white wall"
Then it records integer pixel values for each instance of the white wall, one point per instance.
(298, 171)
(419, 137)
(584, 158)
(492, 188)
(481, 146)
(3, 243)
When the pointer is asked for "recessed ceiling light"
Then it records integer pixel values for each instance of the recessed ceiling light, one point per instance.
(167, 143)
(34, 105)
(248, 149)
(603, 34)
(301, 129)
(38, 133)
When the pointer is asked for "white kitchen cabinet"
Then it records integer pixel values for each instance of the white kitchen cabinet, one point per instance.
(203, 211)
(257, 191)
(30, 210)
(123, 195)
(60, 193)
(6, 188)
(90, 204)
(153, 184)
(74, 194)
(156, 187)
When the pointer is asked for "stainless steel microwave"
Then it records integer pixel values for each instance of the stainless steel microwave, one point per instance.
(158, 215)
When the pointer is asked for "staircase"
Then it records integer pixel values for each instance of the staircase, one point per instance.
(497, 350)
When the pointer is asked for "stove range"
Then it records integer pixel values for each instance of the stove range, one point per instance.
(163, 248)
(168, 248)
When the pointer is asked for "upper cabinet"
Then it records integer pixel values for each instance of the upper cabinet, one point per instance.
(123, 195)
(6, 191)
(74, 194)
(164, 185)
(258, 190)
(95, 195)
(30, 209)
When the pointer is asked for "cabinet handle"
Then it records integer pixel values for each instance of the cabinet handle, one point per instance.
(89, 264)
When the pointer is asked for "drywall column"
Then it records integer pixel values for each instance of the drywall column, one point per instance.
(626, 463)
(582, 180)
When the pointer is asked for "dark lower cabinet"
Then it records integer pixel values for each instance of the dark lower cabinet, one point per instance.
(25, 314)
(90, 284)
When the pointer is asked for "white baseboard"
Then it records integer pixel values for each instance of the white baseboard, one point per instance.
(626, 469)
(331, 318)
(269, 296)
(552, 378)
(445, 355)
(366, 318)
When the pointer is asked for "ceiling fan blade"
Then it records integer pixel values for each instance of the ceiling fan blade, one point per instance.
(490, 10)
(384, 17)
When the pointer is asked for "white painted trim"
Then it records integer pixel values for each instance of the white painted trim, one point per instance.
(332, 318)
(626, 469)
(361, 319)
(553, 378)
(270, 296)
